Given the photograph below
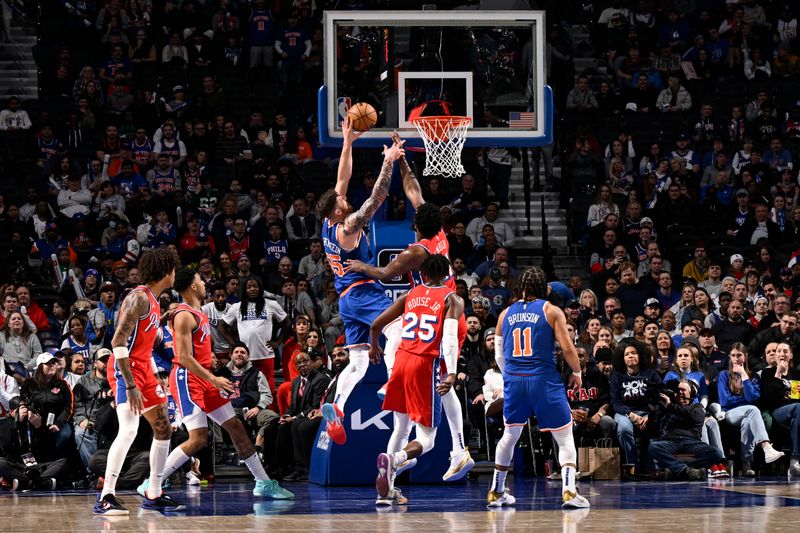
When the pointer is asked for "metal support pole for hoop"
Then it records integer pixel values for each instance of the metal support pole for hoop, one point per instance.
(526, 184)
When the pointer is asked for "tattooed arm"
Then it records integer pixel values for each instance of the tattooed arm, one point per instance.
(354, 222)
(133, 307)
(410, 183)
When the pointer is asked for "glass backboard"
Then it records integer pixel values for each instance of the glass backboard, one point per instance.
(488, 65)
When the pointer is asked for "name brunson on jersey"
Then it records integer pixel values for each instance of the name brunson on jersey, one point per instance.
(333, 246)
(523, 317)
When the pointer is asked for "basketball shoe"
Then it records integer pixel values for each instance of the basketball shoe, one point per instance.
(500, 499)
(460, 465)
(333, 418)
(386, 472)
(109, 505)
(573, 500)
(395, 497)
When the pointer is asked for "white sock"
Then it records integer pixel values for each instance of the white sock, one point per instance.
(128, 427)
(351, 375)
(253, 464)
(568, 478)
(159, 450)
(175, 460)
(455, 421)
(400, 458)
(499, 480)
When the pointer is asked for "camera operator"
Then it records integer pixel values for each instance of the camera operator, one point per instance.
(23, 440)
(50, 396)
(91, 392)
(680, 426)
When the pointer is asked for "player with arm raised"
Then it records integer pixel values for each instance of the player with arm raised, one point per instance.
(361, 300)
(431, 240)
(199, 392)
(131, 374)
(429, 313)
(524, 349)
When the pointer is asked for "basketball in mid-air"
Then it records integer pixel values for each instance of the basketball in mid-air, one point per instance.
(363, 116)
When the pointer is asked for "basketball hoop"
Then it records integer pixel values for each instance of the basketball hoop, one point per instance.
(444, 138)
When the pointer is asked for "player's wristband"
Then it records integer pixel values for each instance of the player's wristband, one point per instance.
(131, 387)
(578, 373)
(121, 352)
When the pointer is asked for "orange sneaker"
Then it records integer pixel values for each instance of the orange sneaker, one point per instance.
(333, 418)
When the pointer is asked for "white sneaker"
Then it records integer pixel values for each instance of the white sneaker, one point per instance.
(771, 454)
(496, 499)
(408, 464)
(191, 478)
(573, 500)
(395, 497)
(555, 476)
(460, 465)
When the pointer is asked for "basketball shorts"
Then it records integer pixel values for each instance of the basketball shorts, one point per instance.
(144, 377)
(198, 399)
(359, 307)
(543, 396)
(412, 389)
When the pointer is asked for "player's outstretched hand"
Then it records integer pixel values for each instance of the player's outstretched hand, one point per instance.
(396, 138)
(135, 400)
(354, 265)
(575, 382)
(348, 133)
(394, 152)
(375, 353)
(223, 384)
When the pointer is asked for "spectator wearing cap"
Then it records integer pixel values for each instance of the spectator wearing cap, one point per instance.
(90, 393)
(46, 393)
(119, 275)
(91, 285)
(74, 199)
(652, 309)
(712, 359)
(23, 433)
(494, 290)
(103, 319)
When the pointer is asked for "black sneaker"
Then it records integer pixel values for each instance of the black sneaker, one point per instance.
(109, 505)
(163, 503)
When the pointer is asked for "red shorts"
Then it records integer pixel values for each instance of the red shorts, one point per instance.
(412, 388)
(193, 393)
(144, 378)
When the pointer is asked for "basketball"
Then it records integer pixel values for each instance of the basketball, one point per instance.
(363, 116)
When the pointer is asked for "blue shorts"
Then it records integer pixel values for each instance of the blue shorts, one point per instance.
(543, 396)
(359, 308)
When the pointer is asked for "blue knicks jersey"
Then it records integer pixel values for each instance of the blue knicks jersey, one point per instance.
(528, 339)
(337, 256)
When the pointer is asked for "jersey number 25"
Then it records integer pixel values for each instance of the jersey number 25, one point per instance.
(422, 327)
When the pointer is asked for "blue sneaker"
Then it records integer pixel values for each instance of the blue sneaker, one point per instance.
(163, 503)
(109, 505)
(270, 489)
(142, 489)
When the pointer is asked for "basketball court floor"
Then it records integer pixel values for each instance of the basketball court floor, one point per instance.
(765, 505)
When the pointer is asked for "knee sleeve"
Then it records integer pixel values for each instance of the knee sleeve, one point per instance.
(359, 361)
(505, 448)
(402, 427)
(566, 446)
(426, 436)
(128, 423)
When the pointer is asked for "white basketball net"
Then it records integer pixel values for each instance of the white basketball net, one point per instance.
(444, 139)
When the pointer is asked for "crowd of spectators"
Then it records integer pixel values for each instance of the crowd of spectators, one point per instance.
(192, 126)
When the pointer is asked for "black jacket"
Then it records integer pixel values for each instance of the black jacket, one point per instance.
(759, 343)
(593, 394)
(727, 332)
(312, 395)
(14, 440)
(246, 393)
(477, 366)
(775, 392)
(681, 421)
(55, 398)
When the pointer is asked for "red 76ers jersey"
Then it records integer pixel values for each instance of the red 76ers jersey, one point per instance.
(141, 341)
(436, 245)
(423, 320)
(201, 336)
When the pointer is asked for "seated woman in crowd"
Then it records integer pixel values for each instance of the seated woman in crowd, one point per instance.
(663, 353)
(20, 345)
(47, 394)
(739, 391)
(629, 384)
(775, 383)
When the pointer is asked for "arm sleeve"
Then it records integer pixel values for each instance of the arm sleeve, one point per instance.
(499, 356)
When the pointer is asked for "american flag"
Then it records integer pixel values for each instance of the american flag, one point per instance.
(520, 120)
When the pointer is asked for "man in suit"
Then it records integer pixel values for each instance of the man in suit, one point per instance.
(307, 391)
(304, 429)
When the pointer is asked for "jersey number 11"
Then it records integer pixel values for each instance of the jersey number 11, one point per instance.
(523, 347)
